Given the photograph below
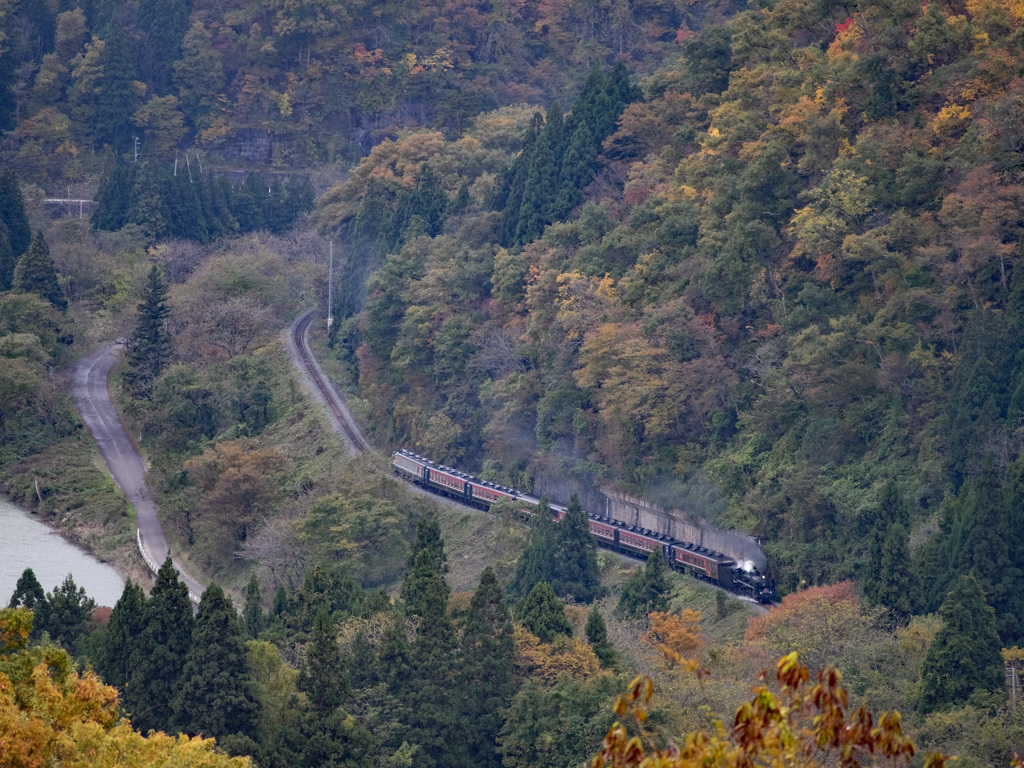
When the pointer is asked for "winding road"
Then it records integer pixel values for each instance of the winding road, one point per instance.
(90, 391)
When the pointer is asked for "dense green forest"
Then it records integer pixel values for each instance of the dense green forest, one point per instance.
(757, 262)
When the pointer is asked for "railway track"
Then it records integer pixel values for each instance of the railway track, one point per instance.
(300, 337)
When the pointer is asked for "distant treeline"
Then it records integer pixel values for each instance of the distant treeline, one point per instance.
(198, 207)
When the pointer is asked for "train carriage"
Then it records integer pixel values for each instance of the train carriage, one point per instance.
(603, 531)
(409, 466)
(639, 541)
(702, 562)
(484, 494)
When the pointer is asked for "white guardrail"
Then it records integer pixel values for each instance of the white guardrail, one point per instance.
(153, 566)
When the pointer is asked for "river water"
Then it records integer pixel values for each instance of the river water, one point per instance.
(25, 542)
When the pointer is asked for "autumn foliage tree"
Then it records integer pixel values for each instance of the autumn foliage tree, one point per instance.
(800, 724)
(50, 714)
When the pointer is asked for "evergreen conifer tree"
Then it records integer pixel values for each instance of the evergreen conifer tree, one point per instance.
(432, 715)
(393, 658)
(896, 585)
(281, 604)
(647, 589)
(164, 643)
(68, 610)
(512, 200)
(554, 129)
(538, 192)
(121, 639)
(253, 613)
(889, 510)
(335, 740)
(364, 662)
(486, 673)
(535, 564)
(149, 347)
(248, 203)
(597, 635)
(216, 696)
(972, 415)
(114, 197)
(965, 656)
(12, 214)
(426, 559)
(323, 676)
(35, 273)
(578, 165)
(150, 206)
(576, 572)
(543, 613)
(116, 99)
(198, 75)
(28, 592)
(188, 219)
(7, 259)
(1010, 614)
(164, 24)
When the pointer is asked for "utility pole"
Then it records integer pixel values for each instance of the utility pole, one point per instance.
(187, 165)
(175, 163)
(136, 144)
(330, 286)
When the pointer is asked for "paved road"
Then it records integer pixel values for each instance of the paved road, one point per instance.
(91, 395)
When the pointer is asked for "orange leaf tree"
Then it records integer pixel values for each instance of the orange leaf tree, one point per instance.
(803, 725)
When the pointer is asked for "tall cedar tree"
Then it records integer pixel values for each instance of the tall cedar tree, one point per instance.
(965, 656)
(68, 610)
(35, 274)
(163, 647)
(896, 586)
(115, 197)
(647, 589)
(364, 663)
(121, 637)
(971, 417)
(394, 656)
(323, 675)
(538, 191)
(576, 172)
(28, 592)
(163, 24)
(543, 613)
(217, 694)
(253, 613)
(597, 635)
(116, 99)
(433, 717)
(576, 572)
(509, 199)
(13, 216)
(149, 347)
(535, 564)
(198, 75)
(426, 558)
(487, 672)
(889, 510)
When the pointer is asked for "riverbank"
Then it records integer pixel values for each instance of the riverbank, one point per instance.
(27, 542)
(66, 487)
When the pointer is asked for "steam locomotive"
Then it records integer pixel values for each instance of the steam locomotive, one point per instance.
(715, 567)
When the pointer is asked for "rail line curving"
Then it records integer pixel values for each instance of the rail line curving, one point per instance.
(300, 337)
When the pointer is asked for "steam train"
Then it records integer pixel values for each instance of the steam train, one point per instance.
(704, 563)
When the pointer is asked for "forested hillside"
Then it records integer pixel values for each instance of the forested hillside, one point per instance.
(780, 267)
(757, 262)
